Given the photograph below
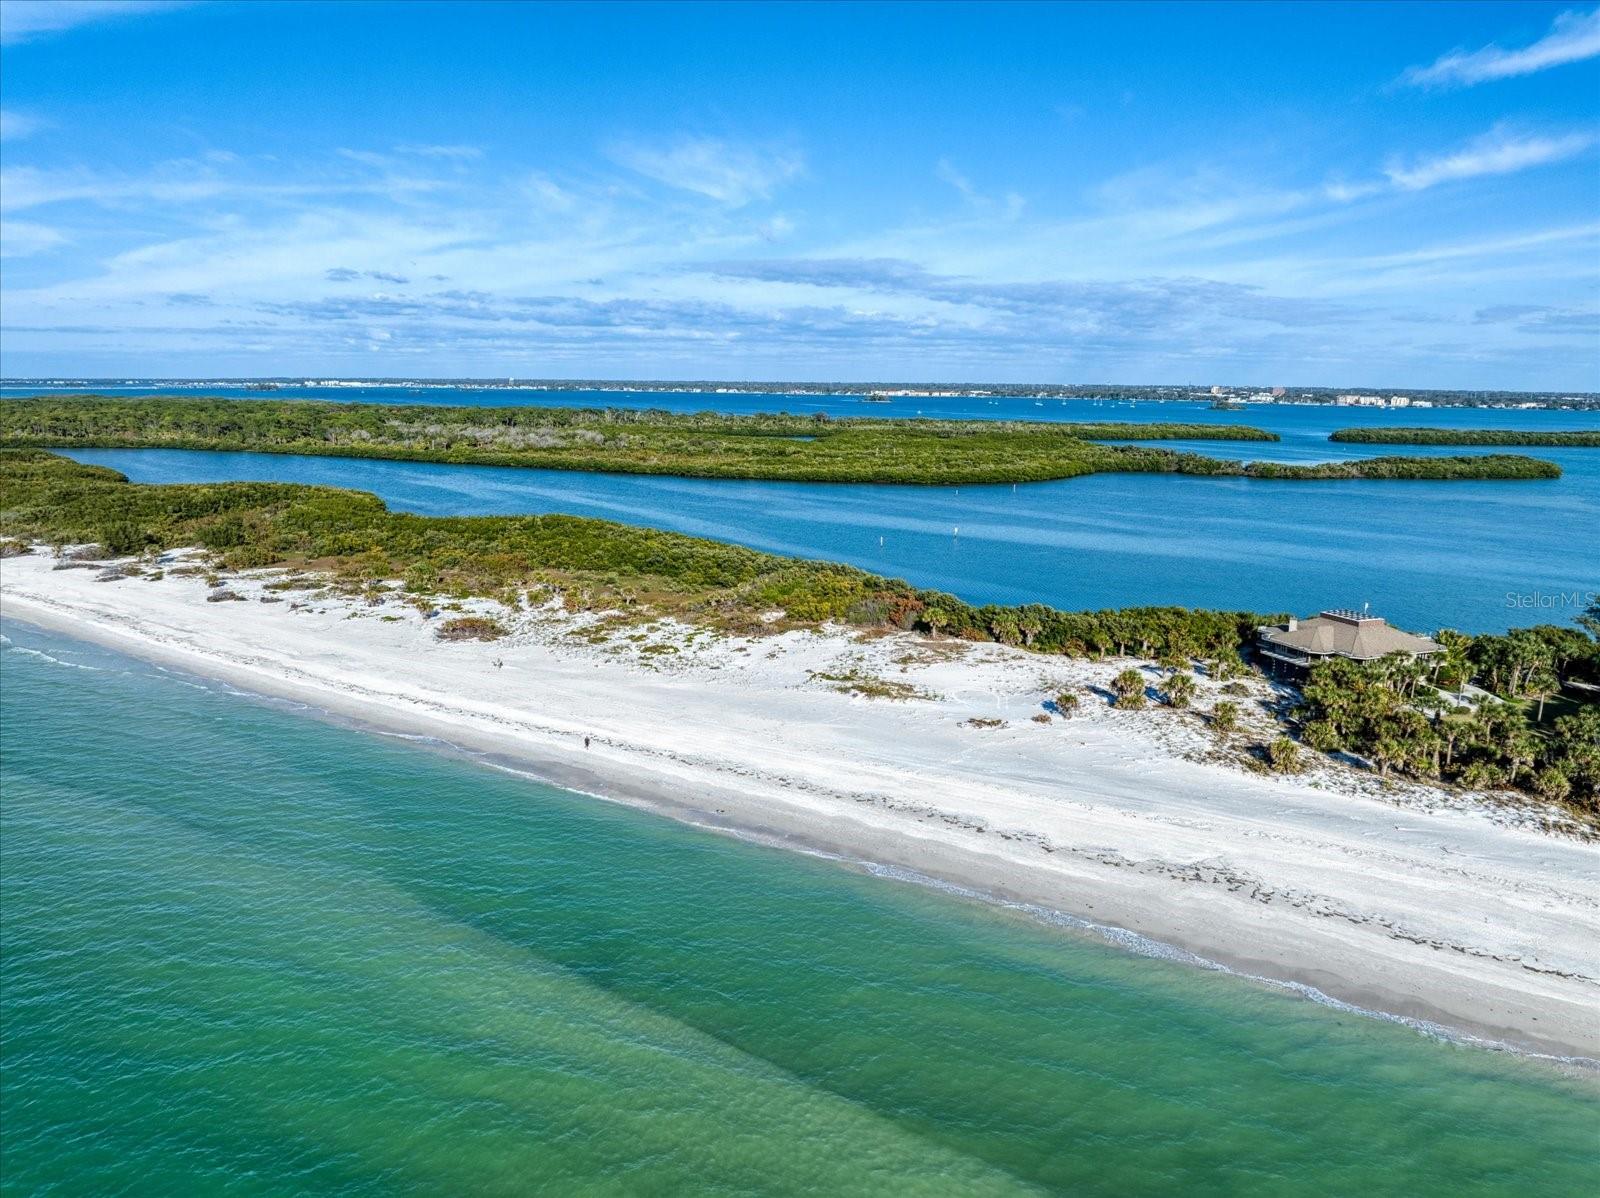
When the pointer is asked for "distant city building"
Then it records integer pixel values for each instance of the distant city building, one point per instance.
(1378, 401)
(1292, 649)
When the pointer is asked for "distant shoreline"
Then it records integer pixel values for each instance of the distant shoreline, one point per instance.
(890, 391)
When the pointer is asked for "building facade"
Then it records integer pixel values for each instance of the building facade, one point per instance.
(1290, 650)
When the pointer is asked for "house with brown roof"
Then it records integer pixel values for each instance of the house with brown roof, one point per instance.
(1292, 649)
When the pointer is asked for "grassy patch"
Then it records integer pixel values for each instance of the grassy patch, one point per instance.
(868, 686)
(470, 628)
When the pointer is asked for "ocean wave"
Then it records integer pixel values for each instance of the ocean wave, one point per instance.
(1146, 946)
(10, 646)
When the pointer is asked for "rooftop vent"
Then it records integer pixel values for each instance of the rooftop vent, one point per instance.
(1347, 615)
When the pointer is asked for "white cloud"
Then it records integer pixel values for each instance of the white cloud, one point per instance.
(731, 175)
(1573, 37)
(20, 238)
(947, 171)
(565, 263)
(15, 125)
(24, 20)
(212, 176)
(1011, 205)
(548, 194)
(461, 153)
(1498, 152)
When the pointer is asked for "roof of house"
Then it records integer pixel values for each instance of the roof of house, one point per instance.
(1348, 634)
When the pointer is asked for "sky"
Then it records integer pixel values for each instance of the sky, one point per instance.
(1403, 195)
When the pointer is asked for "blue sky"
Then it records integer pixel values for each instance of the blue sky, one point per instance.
(1400, 194)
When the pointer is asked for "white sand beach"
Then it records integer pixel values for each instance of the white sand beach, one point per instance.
(1401, 899)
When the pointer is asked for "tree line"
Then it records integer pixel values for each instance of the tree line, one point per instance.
(1574, 438)
(1404, 715)
(702, 445)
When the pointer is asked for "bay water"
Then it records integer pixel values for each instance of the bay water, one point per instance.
(1475, 556)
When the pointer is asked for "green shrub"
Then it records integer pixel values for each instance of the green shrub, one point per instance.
(1284, 756)
(470, 628)
(1225, 717)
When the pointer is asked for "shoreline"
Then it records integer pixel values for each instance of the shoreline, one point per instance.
(1106, 819)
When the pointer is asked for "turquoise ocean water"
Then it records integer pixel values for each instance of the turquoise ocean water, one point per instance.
(245, 951)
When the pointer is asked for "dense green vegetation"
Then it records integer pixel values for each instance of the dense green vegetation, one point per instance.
(1397, 712)
(1394, 713)
(1577, 438)
(592, 563)
(1479, 466)
(705, 445)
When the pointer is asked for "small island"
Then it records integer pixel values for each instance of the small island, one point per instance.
(778, 447)
(1569, 439)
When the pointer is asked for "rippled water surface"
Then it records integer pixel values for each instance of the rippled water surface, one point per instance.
(246, 951)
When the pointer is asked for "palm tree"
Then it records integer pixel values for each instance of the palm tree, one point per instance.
(1003, 626)
(1129, 688)
(1521, 749)
(1180, 690)
(1225, 717)
(1542, 683)
(1030, 625)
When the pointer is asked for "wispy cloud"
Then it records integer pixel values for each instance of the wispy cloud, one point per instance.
(946, 170)
(547, 193)
(16, 125)
(1011, 205)
(304, 260)
(1541, 318)
(1501, 151)
(213, 176)
(1143, 305)
(1573, 37)
(460, 153)
(25, 20)
(730, 174)
(344, 274)
(20, 238)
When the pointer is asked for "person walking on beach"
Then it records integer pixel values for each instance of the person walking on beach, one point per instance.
(586, 742)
